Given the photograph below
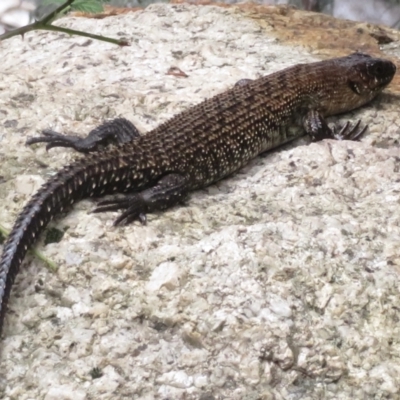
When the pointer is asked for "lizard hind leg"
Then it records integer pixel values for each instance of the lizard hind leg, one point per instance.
(168, 191)
(118, 130)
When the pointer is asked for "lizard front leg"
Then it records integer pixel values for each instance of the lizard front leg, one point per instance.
(118, 130)
(168, 191)
(316, 126)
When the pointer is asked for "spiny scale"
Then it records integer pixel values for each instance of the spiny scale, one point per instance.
(197, 147)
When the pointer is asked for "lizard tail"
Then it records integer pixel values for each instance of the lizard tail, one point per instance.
(81, 179)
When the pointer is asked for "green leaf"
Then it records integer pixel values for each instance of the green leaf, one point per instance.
(88, 6)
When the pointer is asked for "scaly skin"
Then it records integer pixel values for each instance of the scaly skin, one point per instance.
(197, 147)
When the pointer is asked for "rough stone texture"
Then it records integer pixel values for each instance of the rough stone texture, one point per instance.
(279, 282)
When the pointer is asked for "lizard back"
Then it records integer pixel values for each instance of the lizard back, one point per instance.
(218, 136)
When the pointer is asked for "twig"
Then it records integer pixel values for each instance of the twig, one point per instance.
(45, 24)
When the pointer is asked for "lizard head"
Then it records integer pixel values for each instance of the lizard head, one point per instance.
(368, 76)
(355, 80)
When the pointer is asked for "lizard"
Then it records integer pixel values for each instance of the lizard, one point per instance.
(195, 148)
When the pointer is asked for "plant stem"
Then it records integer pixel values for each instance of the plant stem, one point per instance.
(45, 24)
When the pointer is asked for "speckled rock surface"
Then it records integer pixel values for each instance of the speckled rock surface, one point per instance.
(278, 283)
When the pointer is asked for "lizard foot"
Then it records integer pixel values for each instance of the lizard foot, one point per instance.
(116, 131)
(316, 126)
(55, 139)
(133, 205)
(168, 191)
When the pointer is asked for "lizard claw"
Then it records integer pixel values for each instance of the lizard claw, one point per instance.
(130, 215)
(133, 206)
(350, 133)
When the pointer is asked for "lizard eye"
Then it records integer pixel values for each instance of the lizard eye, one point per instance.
(354, 86)
(378, 69)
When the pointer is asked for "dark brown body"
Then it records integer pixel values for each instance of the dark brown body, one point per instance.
(201, 145)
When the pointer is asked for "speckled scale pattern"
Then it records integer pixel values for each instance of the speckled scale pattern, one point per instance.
(202, 144)
(220, 135)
